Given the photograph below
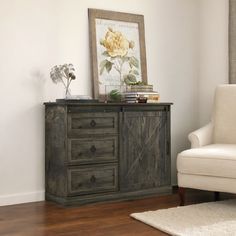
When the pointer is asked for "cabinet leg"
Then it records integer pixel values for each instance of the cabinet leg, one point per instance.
(217, 196)
(182, 196)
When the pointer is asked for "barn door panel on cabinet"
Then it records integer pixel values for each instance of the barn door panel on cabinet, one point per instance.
(144, 163)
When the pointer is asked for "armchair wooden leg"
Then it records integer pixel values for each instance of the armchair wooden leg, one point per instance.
(216, 196)
(182, 196)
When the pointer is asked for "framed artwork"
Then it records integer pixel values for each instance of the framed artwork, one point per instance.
(118, 54)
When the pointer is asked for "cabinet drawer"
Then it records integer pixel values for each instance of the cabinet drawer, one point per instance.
(92, 123)
(92, 179)
(87, 150)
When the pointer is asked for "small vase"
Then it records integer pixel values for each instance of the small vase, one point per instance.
(67, 93)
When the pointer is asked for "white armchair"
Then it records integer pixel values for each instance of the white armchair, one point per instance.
(210, 164)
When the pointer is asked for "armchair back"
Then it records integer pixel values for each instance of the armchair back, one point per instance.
(224, 115)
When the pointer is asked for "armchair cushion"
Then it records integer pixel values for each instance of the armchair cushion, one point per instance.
(218, 160)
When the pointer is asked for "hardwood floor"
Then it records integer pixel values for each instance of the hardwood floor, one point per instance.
(111, 219)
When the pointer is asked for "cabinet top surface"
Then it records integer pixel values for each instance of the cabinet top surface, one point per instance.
(106, 104)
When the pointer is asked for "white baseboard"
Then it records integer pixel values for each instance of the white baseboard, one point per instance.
(13, 199)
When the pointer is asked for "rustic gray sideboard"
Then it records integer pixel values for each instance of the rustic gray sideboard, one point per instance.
(102, 152)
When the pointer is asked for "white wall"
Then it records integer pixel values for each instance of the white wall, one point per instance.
(213, 60)
(36, 35)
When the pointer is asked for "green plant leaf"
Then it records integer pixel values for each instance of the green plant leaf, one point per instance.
(134, 62)
(102, 66)
(115, 95)
(105, 64)
(105, 53)
(108, 66)
(135, 72)
(130, 79)
(124, 59)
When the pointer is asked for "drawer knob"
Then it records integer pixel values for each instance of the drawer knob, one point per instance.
(93, 179)
(93, 123)
(93, 149)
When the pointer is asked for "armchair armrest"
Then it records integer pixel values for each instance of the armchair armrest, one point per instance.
(202, 136)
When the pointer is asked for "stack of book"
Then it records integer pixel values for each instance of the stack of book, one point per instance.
(141, 88)
(133, 97)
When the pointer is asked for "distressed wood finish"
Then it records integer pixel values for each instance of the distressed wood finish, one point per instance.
(144, 164)
(92, 179)
(55, 150)
(93, 150)
(92, 123)
(104, 152)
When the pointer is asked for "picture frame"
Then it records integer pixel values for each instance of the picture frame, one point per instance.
(118, 52)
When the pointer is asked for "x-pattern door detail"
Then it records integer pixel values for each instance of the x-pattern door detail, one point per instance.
(144, 148)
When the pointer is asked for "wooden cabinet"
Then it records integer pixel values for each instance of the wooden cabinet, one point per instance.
(99, 152)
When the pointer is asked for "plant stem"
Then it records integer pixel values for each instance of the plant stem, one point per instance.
(67, 87)
(121, 67)
(63, 82)
(118, 66)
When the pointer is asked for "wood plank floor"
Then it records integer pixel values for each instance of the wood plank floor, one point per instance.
(111, 219)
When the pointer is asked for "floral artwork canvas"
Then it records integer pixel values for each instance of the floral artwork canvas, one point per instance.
(118, 49)
(118, 52)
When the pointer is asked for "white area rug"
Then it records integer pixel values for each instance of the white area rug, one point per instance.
(205, 219)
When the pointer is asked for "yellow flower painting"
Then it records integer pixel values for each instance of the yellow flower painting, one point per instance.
(115, 43)
(117, 48)
(118, 53)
